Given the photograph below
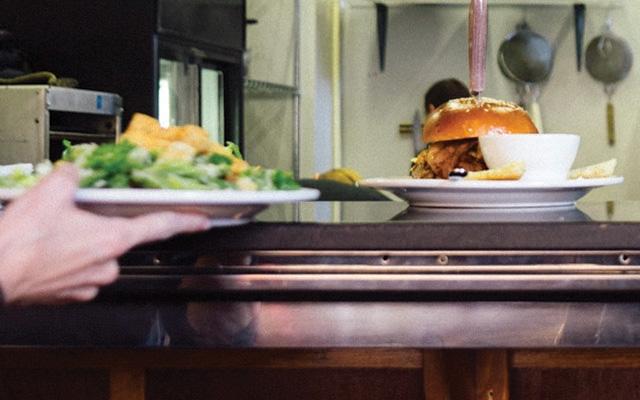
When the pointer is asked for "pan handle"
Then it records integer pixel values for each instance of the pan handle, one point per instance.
(478, 20)
(536, 115)
(611, 124)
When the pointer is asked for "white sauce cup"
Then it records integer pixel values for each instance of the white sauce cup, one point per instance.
(548, 157)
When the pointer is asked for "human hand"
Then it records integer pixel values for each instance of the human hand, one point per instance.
(53, 252)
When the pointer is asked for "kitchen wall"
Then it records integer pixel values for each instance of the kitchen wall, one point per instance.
(428, 43)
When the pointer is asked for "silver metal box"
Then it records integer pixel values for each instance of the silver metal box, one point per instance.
(35, 119)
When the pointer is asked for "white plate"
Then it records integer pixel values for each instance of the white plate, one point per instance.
(488, 194)
(224, 207)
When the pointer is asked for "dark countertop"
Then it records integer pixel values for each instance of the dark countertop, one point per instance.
(383, 276)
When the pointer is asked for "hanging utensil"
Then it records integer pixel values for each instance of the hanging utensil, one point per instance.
(579, 11)
(526, 58)
(609, 60)
(478, 20)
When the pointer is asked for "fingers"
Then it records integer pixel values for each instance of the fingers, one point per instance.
(101, 275)
(157, 226)
(84, 293)
(89, 285)
(77, 294)
(82, 285)
(93, 275)
(110, 237)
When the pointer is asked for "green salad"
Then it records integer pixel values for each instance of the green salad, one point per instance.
(125, 165)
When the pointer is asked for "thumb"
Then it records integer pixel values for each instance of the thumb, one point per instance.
(59, 186)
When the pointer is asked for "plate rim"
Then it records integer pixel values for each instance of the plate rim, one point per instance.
(393, 183)
(442, 193)
(178, 197)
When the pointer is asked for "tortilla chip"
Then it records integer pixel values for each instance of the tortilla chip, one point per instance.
(196, 137)
(145, 140)
(145, 131)
(178, 151)
(143, 123)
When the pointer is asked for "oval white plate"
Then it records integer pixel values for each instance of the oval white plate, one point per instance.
(488, 194)
(224, 207)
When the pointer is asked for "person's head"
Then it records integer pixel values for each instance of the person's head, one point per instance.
(443, 91)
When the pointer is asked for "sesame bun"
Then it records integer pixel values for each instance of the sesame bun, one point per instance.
(467, 118)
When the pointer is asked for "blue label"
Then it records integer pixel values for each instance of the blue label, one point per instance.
(99, 102)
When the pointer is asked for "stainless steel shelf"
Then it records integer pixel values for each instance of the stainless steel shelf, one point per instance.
(84, 137)
(263, 88)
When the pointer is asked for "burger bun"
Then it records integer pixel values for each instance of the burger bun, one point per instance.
(468, 118)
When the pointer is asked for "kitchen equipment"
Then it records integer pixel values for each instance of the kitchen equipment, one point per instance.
(191, 90)
(609, 60)
(526, 58)
(478, 20)
(35, 119)
(178, 60)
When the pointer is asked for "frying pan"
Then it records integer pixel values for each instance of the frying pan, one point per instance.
(609, 60)
(526, 58)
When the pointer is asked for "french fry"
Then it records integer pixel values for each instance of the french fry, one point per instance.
(601, 170)
(509, 172)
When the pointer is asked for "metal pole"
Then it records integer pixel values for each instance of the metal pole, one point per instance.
(296, 99)
(296, 84)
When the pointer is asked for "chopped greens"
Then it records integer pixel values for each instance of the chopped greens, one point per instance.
(235, 150)
(123, 165)
(18, 178)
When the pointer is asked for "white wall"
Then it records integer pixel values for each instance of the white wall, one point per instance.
(428, 43)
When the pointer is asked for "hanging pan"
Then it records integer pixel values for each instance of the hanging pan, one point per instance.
(609, 60)
(526, 58)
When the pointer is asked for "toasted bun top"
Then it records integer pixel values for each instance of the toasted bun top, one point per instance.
(470, 118)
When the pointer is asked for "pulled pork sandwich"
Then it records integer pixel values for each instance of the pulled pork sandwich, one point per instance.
(451, 133)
